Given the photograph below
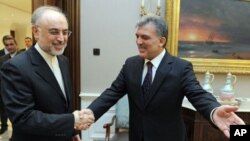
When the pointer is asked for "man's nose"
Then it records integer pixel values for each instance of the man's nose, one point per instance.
(139, 40)
(60, 37)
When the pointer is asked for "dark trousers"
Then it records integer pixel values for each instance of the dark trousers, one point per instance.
(3, 115)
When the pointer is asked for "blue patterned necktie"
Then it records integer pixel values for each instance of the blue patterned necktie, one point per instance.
(147, 80)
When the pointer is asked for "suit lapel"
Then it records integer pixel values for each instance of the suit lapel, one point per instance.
(44, 71)
(161, 72)
(137, 76)
(65, 76)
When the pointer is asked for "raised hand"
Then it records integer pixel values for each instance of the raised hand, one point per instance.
(224, 116)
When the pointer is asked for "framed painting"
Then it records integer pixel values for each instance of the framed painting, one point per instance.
(213, 35)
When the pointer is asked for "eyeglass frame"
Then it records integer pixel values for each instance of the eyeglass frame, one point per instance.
(56, 32)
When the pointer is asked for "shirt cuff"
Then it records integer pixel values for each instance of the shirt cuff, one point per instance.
(211, 115)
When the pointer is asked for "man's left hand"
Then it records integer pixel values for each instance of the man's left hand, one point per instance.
(224, 116)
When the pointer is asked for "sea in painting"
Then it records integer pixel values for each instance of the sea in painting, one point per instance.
(189, 49)
(216, 29)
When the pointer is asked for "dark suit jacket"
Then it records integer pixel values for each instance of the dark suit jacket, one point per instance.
(2, 53)
(3, 59)
(23, 49)
(158, 117)
(6, 57)
(34, 101)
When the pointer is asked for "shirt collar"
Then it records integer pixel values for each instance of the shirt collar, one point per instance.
(47, 57)
(5, 51)
(157, 60)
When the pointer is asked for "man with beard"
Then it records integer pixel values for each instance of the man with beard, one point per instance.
(36, 86)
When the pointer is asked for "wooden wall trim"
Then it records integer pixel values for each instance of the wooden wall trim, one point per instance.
(72, 10)
(38, 3)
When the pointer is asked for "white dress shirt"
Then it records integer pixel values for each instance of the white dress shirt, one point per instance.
(52, 61)
(156, 62)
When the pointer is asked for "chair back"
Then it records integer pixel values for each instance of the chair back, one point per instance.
(122, 113)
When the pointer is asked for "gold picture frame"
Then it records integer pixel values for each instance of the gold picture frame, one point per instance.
(201, 65)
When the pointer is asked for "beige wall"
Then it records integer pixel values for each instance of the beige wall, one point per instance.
(4, 29)
(17, 20)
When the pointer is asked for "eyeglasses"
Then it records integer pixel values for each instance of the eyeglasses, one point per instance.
(56, 32)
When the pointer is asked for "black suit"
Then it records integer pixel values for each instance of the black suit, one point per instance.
(3, 114)
(34, 101)
(23, 49)
(2, 52)
(158, 118)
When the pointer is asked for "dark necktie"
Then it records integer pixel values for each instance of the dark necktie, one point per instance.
(147, 80)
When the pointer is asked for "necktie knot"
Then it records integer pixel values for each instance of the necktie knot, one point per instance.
(149, 65)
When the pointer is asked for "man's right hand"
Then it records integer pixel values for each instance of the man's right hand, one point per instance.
(83, 119)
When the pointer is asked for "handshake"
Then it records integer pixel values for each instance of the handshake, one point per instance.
(83, 119)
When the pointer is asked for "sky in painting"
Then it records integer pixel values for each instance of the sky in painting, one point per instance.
(225, 21)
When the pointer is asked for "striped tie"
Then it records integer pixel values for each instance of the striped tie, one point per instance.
(147, 80)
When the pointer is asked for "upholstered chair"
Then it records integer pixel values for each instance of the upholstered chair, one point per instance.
(120, 120)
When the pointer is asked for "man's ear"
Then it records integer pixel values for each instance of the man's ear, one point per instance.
(35, 31)
(163, 41)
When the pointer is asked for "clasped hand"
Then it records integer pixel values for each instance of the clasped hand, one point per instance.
(83, 119)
